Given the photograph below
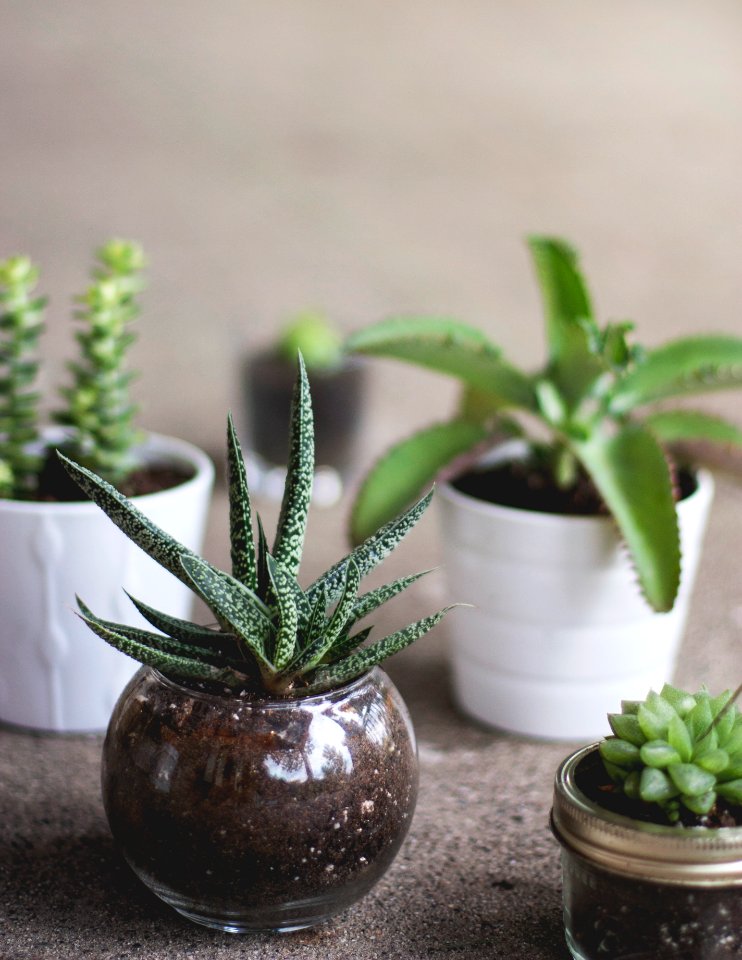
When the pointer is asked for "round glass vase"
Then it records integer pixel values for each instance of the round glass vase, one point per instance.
(270, 814)
(640, 890)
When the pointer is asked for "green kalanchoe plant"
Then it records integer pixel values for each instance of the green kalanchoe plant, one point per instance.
(21, 323)
(98, 409)
(677, 750)
(272, 634)
(589, 399)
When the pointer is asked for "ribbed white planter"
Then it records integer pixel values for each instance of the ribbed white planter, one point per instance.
(559, 633)
(54, 673)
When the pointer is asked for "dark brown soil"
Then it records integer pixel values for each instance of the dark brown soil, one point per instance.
(258, 812)
(56, 485)
(529, 486)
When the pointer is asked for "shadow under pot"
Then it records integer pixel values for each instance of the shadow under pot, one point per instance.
(640, 890)
(264, 814)
(337, 398)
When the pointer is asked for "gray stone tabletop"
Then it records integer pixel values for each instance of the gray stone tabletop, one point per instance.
(477, 877)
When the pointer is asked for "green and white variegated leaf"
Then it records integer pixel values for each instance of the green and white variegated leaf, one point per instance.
(155, 542)
(322, 645)
(632, 476)
(371, 552)
(316, 623)
(671, 426)
(288, 616)
(297, 496)
(182, 630)
(157, 641)
(374, 599)
(233, 604)
(263, 577)
(169, 663)
(241, 538)
(341, 648)
(357, 663)
(397, 478)
(685, 366)
(450, 347)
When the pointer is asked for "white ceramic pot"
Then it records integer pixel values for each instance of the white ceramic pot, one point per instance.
(55, 674)
(559, 633)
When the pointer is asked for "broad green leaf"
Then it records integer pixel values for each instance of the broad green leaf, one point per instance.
(408, 467)
(655, 786)
(690, 779)
(659, 753)
(671, 426)
(630, 472)
(242, 542)
(631, 784)
(700, 718)
(732, 791)
(292, 521)
(620, 752)
(357, 663)
(679, 738)
(715, 761)
(653, 726)
(288, 615)
(627, 728)
(234, 605)
(630, 707)
(447, 346)
(681, 701)
(573, 365)
(685, 366)
(701, 804)
(371, 552)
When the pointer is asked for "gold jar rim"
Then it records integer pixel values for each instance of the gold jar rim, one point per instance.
(695, 856)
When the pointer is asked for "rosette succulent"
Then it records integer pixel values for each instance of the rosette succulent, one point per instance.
(677, 749)
(271, 634)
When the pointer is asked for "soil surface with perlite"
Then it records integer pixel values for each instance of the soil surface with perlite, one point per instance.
(274, 814)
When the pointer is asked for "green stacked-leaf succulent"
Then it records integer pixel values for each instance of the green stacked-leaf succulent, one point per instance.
(586, 397)
(272, 634)
(677, 749)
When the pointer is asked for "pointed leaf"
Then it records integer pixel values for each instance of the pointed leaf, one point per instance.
(685, 366)
(371, 552)
(631, 473)
(620, 752)
(670, 426)
(701, 804)
(341, 648)
(374, 599)
(241, 539)
(447, 346)
(659, 753)
(655, 786)
(681, 701)
(288, 615)
(292, 521)
(404, 470)
(715, 761)
(732, 791)
(691, 779)
(182, 630)
(627, 728)
(678, 737)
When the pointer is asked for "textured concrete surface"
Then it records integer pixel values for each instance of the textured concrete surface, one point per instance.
(478, 876)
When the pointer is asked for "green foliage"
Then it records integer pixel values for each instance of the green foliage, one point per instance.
(311, 334)
(20, 326)
(677, 749)
(98, 410)
(271, 634)
(586, 397)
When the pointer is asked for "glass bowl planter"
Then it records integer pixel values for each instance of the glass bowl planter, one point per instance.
(636, 890)
(264, 814)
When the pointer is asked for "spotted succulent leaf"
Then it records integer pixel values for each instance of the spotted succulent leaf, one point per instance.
(284, 645)
(242, 543)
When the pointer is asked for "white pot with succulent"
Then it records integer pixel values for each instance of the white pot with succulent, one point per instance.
(52, 677)
(548, 544)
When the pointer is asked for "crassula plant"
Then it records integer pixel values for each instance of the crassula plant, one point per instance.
(588, 414)
(677, 752)
(97, 411)
(272, 636)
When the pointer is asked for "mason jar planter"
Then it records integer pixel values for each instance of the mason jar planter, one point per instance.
(268, 814)
(642, 890)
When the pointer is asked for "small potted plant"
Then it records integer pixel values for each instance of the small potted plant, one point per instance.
(260, 773)
(650, 824)
(337, 390)
(52, 676)
(548, 534)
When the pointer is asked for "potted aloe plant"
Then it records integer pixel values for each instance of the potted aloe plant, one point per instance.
(337, 390)
(548, 535)
(52, 676)
(650, 824)
(260, 773)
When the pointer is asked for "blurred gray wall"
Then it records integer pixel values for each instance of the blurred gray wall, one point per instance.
(369, 158)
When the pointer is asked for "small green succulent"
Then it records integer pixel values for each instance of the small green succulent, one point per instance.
(677, 749)
(272, 634)
(311, 334)
(98, 410)
(591, 403)
(21, 323)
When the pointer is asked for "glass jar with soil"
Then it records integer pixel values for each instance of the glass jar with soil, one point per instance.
(257, 814)
(638, 889)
